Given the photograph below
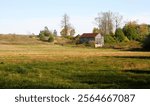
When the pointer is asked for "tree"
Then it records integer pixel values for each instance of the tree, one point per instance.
(143, 31)
(109, 39)
(65, 24)
(108, 21)
(104, 22)
(136, 31)
(67, 29)
(119, 35)
(130, 30)
(117, 18)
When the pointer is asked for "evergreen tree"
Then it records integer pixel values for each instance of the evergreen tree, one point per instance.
(119, 35)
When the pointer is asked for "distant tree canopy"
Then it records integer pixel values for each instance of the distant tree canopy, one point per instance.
(136, 31)
(105, 22)
(46, 35)
(108, 22)
(130, 30)
(143, 31)
(67, 29)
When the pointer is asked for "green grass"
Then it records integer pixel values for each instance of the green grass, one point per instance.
(94, 72)
(33, 64)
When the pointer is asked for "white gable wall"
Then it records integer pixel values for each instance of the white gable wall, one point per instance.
(99, 40)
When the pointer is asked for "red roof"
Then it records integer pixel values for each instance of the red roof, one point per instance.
(88, 35)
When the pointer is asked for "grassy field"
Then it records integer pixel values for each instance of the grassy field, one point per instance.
(43, 65)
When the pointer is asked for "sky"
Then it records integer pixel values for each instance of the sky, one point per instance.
(31, 16)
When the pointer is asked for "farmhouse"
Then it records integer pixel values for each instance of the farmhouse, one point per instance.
(97, 38)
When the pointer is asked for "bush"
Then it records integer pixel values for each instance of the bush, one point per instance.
(46, 35)
(42, 37)
(51, 38)
(146, 43)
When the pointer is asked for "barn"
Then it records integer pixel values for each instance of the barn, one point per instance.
(97, 38)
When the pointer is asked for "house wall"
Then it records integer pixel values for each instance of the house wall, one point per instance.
(86, 40)
(99, 40)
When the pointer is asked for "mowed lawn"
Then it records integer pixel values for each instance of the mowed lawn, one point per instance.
(52, 66)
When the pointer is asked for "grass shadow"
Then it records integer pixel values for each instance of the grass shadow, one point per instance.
(136, 50)
(137, 71)
(133, 57)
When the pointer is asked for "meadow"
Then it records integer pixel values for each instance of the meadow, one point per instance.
(48, 66)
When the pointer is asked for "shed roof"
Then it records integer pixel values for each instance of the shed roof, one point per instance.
(89, 35)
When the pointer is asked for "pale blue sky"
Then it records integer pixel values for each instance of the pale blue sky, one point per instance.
(30, 16)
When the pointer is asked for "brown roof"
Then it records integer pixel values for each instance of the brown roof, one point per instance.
(88, 35)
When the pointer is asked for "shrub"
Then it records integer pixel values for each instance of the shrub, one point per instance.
(51, 38)
(46, 35)
(42, 37)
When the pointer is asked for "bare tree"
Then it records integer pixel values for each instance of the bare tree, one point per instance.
(99, 21)
(108, 21)
(104, 22)
(67, 28)
(118, 18)
(65, 24)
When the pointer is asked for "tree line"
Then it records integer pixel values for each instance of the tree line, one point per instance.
(109, 23)
(106, 23)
